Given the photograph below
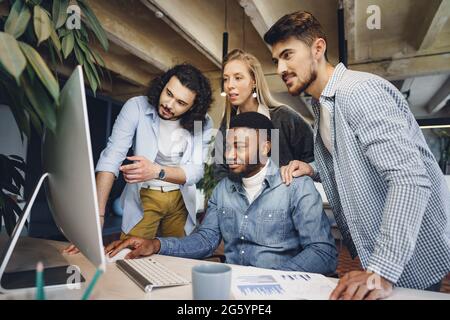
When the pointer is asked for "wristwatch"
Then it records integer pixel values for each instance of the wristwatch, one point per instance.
(162, 174)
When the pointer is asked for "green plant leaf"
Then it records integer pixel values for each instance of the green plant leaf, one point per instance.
(34, 118)
(42, 24)
(83, 33)
(89, 59)
(18, 19)
(83, 46)
(18, 179)
(59, 12)
(53, 53)
(21, 118)
(15, 207)
(90, 74)
(34, 2)
(56, 41)
(79, 55)
(93, 58)
(41, 102)
(11, 188)
(19, 164)
(98, 58)
(11, 58)
(67, 44)
(16, 157)
(62, 32)
(94, 24)
(30, 72)
(42, 70)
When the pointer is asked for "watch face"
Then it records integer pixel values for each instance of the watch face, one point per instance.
(162, 174)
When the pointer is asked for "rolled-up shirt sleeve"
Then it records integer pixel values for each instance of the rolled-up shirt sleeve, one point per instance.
(121, 138)
(319, 254)
(315, 176)
(199, 244)
(384, 137)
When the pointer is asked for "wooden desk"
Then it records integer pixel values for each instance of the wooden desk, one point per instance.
(114, 284)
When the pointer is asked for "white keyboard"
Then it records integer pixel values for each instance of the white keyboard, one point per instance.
(148, 273)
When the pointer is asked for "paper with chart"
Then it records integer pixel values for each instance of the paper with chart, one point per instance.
(282, 285)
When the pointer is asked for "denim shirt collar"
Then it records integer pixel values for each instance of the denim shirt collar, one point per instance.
(272, 179)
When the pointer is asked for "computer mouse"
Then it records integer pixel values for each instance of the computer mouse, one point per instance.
(119, 256)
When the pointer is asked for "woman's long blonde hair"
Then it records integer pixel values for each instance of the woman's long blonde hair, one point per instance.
(264, 96)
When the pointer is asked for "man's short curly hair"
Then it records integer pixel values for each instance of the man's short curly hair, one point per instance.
(194, 80)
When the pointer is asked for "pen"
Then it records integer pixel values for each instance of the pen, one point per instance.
(40, 294)
(91, 285)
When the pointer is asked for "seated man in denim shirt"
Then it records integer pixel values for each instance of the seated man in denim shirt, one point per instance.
(263, 222)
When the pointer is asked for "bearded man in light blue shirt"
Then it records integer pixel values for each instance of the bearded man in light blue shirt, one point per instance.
(169, 131)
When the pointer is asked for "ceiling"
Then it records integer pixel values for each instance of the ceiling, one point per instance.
(411, 48)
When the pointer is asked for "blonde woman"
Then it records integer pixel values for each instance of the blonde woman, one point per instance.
(247, 90)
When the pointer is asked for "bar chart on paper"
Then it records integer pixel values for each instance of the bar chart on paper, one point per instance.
(261, 290)
(282, 285)
(261, 286)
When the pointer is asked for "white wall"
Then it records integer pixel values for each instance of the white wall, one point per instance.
(10, 142)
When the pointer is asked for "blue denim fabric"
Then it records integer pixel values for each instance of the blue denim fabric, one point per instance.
(285, 227)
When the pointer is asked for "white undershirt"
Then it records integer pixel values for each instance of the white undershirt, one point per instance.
(261, 109)
(171, 146)
(254, 184)
(324, 127)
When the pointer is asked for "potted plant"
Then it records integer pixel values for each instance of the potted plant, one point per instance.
(207, 184)
(31, 33)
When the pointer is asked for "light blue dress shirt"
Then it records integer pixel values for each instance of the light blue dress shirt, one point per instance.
(137, 126)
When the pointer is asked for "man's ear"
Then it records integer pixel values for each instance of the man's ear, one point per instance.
(266, 148)
(319, 48)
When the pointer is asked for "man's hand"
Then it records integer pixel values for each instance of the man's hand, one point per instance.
(139, 246)
(359, 285)
(141, 170)
(294, 169)
(71, 249)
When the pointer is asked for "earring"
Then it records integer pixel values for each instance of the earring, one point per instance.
(254, 94)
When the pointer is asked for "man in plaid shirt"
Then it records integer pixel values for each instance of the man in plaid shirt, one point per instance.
(387, 192)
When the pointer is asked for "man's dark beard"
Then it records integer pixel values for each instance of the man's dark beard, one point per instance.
(312, 78)
(237, 177)
(162, 117)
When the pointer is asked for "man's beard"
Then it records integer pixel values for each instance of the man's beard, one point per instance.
(237, 177)
(164, 117)
(306, 84)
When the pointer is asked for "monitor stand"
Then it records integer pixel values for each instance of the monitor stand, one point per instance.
(11, 281)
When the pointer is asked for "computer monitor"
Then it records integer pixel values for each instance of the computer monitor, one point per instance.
(70, 182)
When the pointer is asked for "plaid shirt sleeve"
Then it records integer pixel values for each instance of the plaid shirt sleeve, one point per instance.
(381, 126)
(315, 176)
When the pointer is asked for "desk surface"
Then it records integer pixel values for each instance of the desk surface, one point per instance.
(114, 284)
